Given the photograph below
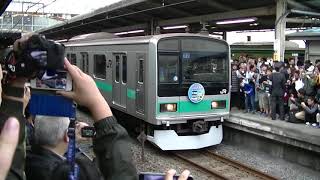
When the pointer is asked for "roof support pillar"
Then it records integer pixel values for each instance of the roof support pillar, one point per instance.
(224, 35)
(152, 27)
(280, 27)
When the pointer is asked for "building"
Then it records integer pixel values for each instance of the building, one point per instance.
(29, 17)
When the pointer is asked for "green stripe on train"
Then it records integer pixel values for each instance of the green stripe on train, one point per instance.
(131, 94)
(104, 86)
(189, 107)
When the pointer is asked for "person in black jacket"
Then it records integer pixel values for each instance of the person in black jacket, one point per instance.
(110, 144)
(277, 92)
(235, 87)
(46, 159)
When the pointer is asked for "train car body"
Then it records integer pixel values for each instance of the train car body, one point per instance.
(265, 49)
(176, 84)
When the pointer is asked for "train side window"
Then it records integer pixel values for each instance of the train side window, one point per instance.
(140, 75)
(117, 68)
(85, 62)
(124, 69)
(100, 64)
(73, 59)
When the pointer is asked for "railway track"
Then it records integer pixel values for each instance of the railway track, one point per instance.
(221, 167)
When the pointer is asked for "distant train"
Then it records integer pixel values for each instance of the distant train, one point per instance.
(176, 84)
(265, 49)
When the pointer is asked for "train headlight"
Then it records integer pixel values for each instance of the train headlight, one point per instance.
(171, 107)
(214, 105)
(218, 104)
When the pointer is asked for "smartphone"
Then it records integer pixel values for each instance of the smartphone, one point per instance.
(53, 80)
(157, 176)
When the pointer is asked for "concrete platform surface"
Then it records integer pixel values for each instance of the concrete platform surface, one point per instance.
(298, 135)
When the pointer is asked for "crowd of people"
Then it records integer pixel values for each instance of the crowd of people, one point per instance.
(290, 89)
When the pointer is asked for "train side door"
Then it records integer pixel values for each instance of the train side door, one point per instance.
(119, 76)
(140, 92)
(84, 63)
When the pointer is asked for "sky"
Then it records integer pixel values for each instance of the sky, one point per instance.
(62, 6)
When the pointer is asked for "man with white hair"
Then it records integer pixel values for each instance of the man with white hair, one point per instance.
(46, 159)
(51, 133)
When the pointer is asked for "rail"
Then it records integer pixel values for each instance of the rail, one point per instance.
(221, 167)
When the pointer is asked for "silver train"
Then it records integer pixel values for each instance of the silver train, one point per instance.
(176, 84)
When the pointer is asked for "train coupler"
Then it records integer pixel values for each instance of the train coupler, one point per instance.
(200, 127)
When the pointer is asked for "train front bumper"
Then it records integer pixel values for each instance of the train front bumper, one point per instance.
(170, 140)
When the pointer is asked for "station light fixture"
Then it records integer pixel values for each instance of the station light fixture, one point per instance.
(236, 21)
(254, 24)
(175, 27)
(129, 32)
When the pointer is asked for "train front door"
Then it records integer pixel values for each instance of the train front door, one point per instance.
(119, 76)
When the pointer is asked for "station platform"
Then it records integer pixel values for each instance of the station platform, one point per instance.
(294, 142)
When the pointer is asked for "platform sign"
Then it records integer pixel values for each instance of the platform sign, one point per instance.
(196, 93)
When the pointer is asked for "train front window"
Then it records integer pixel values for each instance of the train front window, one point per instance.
(204, 61)
(204, 67)
(168, 68)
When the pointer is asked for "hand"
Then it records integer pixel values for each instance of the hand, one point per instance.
(303, 104)
(0, 85)
(26, 98)
(8, 143)
(79, 126)
(86, 93)
(17, 44)
(184, 175)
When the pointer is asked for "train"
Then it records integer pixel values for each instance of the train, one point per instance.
(177, 85)
(265, 50)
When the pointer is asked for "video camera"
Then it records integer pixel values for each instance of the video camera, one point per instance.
(33, 57)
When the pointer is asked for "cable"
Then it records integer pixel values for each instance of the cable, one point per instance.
(46, 5)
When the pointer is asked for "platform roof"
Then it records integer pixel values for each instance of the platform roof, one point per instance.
(128, 15)
(3, 5)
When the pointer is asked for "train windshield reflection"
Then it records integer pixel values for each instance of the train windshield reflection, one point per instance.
(204, 67)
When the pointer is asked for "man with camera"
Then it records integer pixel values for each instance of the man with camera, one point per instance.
(110, 143)
(50, 143)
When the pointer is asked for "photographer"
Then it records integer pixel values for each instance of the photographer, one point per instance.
(14, 99)
(110, 143)
(46, 158)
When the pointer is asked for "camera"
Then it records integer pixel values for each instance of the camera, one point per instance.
(34, 57)
(88, 132)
